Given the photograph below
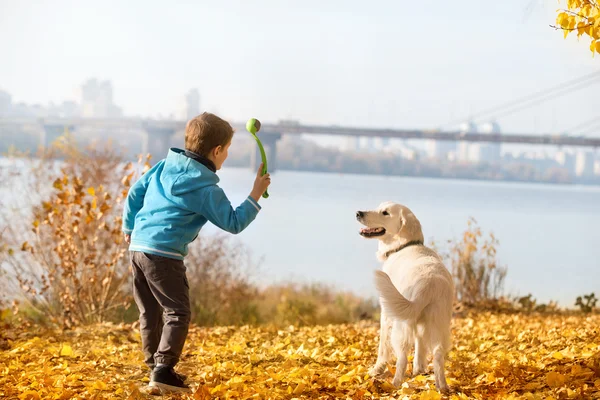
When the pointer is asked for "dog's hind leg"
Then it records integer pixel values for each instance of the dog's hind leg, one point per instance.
(400, 368)
(401, 342)
(420, 360)
(383, 354)
(439, 358)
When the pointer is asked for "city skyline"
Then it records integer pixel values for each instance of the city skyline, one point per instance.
(95, 100)
(334, 63)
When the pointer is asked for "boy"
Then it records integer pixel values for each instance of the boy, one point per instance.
(164, 211)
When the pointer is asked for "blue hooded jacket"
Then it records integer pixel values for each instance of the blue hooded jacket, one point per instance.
(166, 208)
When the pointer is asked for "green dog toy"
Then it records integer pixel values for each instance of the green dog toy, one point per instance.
(253, 126)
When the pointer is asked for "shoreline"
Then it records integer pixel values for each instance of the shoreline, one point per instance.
(452, 179)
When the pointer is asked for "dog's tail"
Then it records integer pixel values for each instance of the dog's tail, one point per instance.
(393, 303)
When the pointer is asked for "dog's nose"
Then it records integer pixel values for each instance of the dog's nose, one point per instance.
(359, 214)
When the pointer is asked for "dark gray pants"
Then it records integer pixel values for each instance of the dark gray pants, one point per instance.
(161, 292)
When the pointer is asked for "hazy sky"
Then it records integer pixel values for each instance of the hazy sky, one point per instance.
(378, 63)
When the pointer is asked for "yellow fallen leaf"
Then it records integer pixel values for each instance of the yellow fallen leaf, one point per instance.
(235, 381)
(216, 389)
(202, 393)
(558, 355)
(29, 395)
(430, 395)
(554, 379)
(299, 389)
(533, 386)
(66, 351)
(587, 354)
(237, 348)
(99, 385)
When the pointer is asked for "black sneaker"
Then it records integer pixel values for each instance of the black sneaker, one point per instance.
(168, 380)
(181, 376)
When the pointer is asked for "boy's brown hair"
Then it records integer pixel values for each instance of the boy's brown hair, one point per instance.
(205, 132)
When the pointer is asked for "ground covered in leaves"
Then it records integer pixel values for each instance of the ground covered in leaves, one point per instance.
(494, 356)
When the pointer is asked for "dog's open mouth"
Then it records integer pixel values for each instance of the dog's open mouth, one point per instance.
(372, 232)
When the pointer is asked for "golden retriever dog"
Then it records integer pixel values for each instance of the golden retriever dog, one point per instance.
(416, 293)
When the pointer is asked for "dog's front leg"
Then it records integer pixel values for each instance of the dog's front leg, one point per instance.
(383, 354)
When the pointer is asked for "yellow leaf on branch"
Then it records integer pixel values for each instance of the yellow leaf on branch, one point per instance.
(583, 17)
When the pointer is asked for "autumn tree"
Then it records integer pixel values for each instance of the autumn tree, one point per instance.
(582, 16)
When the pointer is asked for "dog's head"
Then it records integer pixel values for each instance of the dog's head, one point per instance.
(393, 224)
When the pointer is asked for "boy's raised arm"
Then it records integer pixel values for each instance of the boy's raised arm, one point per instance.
(217, 208)
(135, 199)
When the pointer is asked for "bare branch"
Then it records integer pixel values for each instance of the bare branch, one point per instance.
(574, 13)
(569, 29)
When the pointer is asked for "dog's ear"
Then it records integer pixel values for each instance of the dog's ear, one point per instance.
(410, 227)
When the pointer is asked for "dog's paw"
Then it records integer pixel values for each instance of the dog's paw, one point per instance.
(420, 371)
(445, 389)
(442, 387)
(377, 371)
(397, 382)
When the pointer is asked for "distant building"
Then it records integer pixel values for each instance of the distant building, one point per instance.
(440, 149)
(5, 104)
(191, 105)
(463, 153)
(22, 110)
(381, 143)
(68, 109)
(584, 164)
(401, 148)
(350, 144)
(409, 153)
(367, 144)
(478, 152)
(490, 152)
(97, 100)
(566, 160)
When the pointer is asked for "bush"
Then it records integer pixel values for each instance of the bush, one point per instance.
(5, 251)
(220, 274)
(529, 304)
(78, 253)
(587, 303)
(313, 304)
(472, 261)
(71, 268)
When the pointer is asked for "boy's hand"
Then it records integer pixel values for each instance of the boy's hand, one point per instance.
(127, 238)
(261, 183)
